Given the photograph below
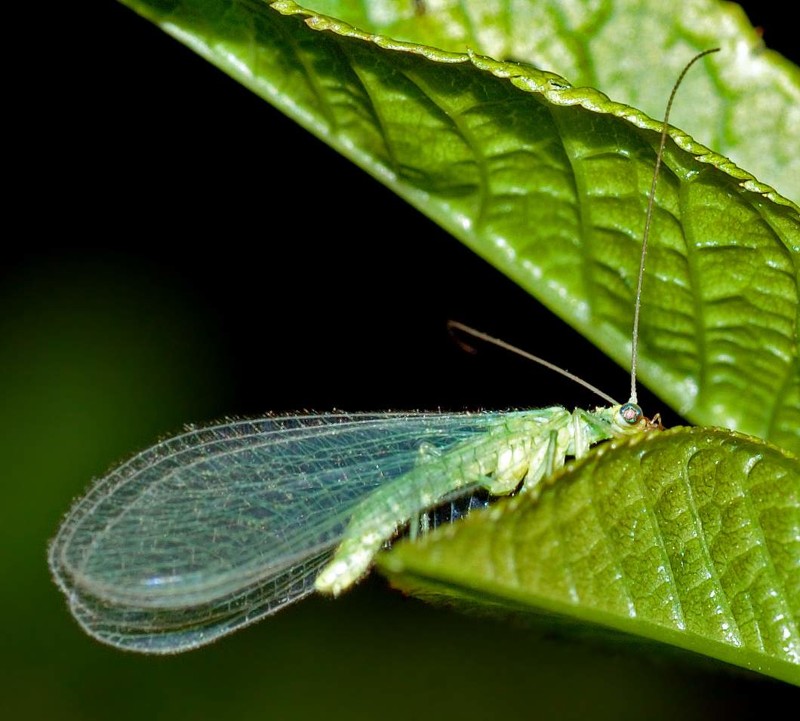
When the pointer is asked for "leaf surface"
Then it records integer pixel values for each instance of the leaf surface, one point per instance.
(689, 537)
(549, 183)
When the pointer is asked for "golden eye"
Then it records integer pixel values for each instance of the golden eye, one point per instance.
(631, 414)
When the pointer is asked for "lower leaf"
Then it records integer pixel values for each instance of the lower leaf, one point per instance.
(689, 537)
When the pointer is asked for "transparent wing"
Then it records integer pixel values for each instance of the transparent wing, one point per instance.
(215, 528)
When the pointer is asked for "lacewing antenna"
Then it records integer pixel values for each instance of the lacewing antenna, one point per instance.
(455, 325)
(651, 199)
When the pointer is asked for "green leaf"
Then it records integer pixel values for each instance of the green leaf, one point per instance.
(690, 537)
(549, 183)
(632, 50)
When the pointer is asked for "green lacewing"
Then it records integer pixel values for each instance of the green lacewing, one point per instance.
(216, 528)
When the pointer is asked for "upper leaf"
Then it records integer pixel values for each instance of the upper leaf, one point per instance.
(549, 183)
(632, 50)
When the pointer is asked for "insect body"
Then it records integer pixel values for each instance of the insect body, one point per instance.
(524, 447)
(213, 529)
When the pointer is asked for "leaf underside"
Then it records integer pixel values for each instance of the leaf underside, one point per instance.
(689, 537)
(549, 183)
